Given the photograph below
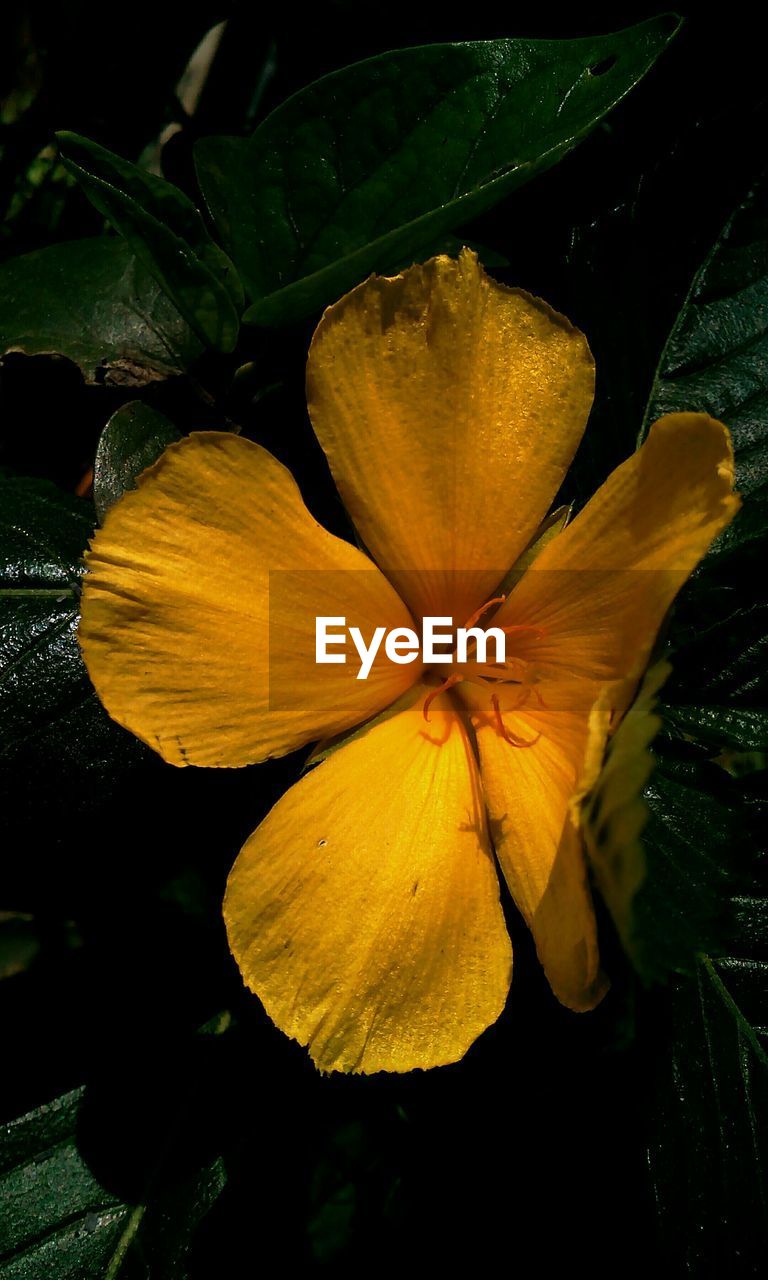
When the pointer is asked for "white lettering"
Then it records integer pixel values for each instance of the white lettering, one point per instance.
(323, 639)
(481, 638)
(438, 642)
(430, 637)
(368, 654)
(402, 645)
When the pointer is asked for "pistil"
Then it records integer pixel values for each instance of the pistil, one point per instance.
(488, 673)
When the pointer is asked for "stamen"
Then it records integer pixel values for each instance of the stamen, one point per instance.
(507, 735)
(441, 688)
(536, 632)
(477, 615)
(513, 670)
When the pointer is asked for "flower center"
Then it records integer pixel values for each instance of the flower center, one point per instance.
(513, 670)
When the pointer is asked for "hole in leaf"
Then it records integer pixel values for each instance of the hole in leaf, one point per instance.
(605, 64)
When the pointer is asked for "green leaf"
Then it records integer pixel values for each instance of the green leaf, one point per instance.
(695, 851)
(167, 235)
(50, 717)
(452, 247)
(710, 1125)
(669, 896)
(91, 301)
(363, 168)
(709, 1139)
(132, 440)
(715, 361)
(716, 358)
(355, 1180)
(665, 841)
(743, 728)
(57, 1221)
(60, 1219)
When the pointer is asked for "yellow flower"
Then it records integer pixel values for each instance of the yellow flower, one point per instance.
(364, 911)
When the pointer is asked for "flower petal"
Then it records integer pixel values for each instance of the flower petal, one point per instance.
(364, 911)
(528, 791)
(449, 408)
(199, 606)
(600, 589)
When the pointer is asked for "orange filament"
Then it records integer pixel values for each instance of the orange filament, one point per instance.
(507, 735)
(441, 688)
(536, 632)
(477, 615)
(487, 672)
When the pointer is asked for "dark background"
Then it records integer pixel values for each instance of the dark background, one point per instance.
(531, 1153)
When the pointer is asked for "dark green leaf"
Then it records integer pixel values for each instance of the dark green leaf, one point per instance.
(716, 361)
(694, 849)
(49, 713)
(132, 440)
(60, 1221)
(744, 728)
(711, 1121)
(91, 301)
(363, 168)
(721, 642)
(452, 246)
(716, 358)
(664, 841)
(707, 1155)
(354, 1178)
(167, 235)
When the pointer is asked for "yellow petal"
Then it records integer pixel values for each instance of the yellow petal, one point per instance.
(449, 408)
(199, 606)
(601, 588)
(364, 911)
(528, 791)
